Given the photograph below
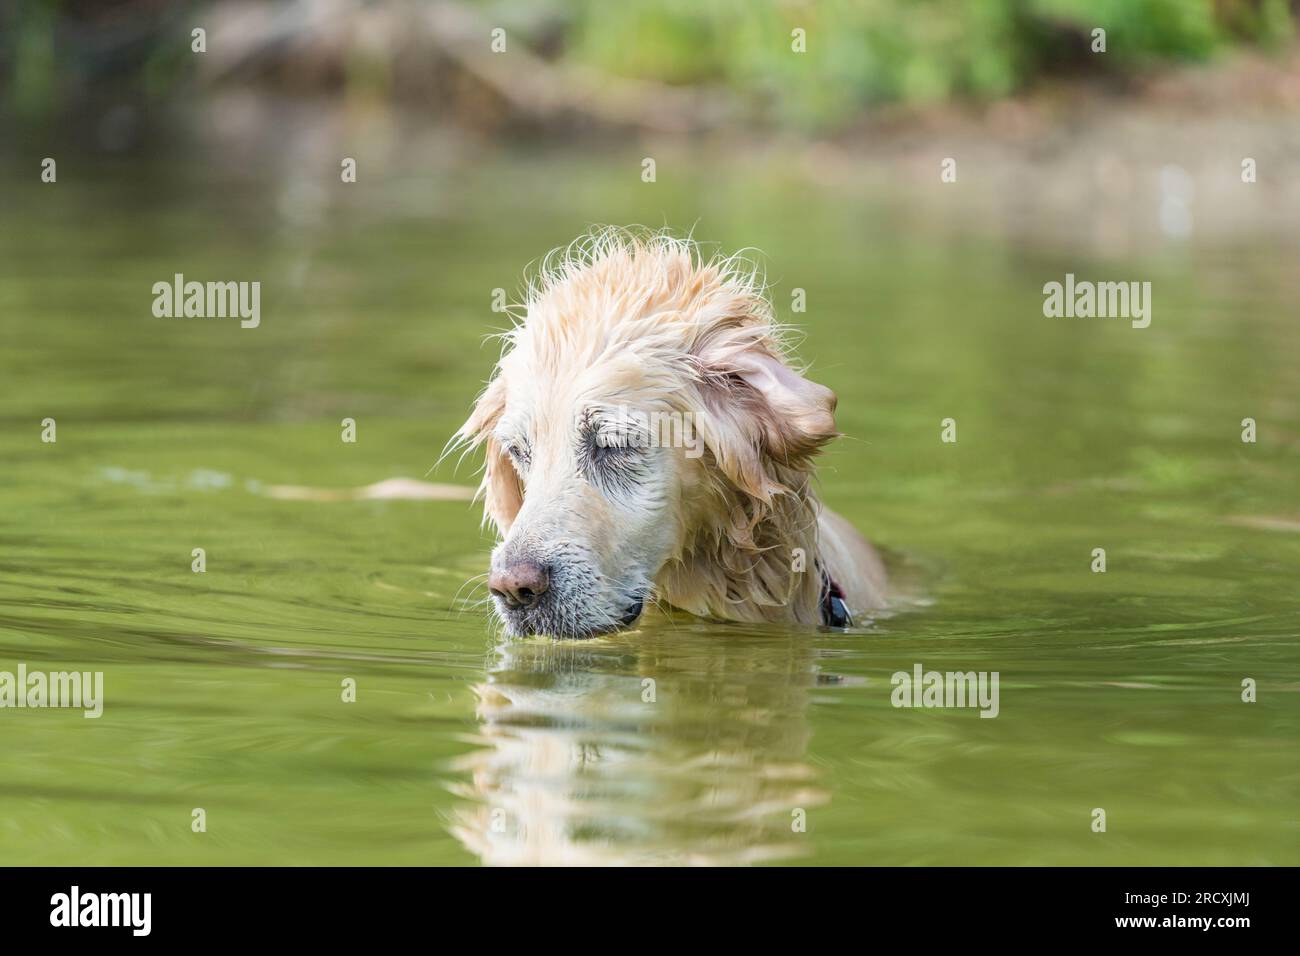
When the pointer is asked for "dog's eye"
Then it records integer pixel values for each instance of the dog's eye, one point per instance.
(609, 444)
(612, 460)
(604, 453)
(519, 453)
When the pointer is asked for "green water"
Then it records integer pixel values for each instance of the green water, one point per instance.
(1119, 691)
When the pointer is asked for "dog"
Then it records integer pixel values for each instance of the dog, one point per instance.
(647, 438)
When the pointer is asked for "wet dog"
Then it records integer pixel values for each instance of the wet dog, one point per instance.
(647, 437)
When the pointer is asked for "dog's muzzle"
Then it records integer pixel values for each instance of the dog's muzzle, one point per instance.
(535, 598)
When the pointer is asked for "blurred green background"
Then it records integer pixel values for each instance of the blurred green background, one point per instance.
(859, 55)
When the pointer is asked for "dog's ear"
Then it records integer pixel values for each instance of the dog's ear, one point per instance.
(798, 415)
(759, 409)
(501, 489)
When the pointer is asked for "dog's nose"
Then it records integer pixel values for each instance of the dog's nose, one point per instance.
(521, 584)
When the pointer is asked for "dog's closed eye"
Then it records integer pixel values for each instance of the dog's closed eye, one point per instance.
(605, 452)
(610, 457)
(520, 453)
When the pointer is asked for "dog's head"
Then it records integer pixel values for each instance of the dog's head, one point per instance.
(642, 409)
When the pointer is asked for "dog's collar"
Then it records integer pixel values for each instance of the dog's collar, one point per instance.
(834, 611)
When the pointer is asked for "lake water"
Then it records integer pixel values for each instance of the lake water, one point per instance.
(223, 690)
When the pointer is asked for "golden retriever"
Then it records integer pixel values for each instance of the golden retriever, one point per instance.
(647, 439)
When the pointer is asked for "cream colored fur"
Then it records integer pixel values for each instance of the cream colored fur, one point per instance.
(643, 321)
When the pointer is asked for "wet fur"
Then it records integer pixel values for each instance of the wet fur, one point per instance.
(644, 319)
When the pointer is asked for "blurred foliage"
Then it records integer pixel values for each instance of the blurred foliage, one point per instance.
(60, 53)
(913, 51)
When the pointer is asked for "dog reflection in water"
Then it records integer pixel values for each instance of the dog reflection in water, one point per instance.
(642, 751)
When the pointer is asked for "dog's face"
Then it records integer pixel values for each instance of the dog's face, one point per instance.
(634, 410)
(600, 485)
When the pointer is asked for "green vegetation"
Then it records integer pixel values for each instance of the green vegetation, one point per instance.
(903, 50)
(859, 53)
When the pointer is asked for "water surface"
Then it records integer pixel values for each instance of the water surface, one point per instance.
(1119, 691)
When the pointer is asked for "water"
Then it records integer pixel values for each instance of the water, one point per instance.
(1119, 691)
